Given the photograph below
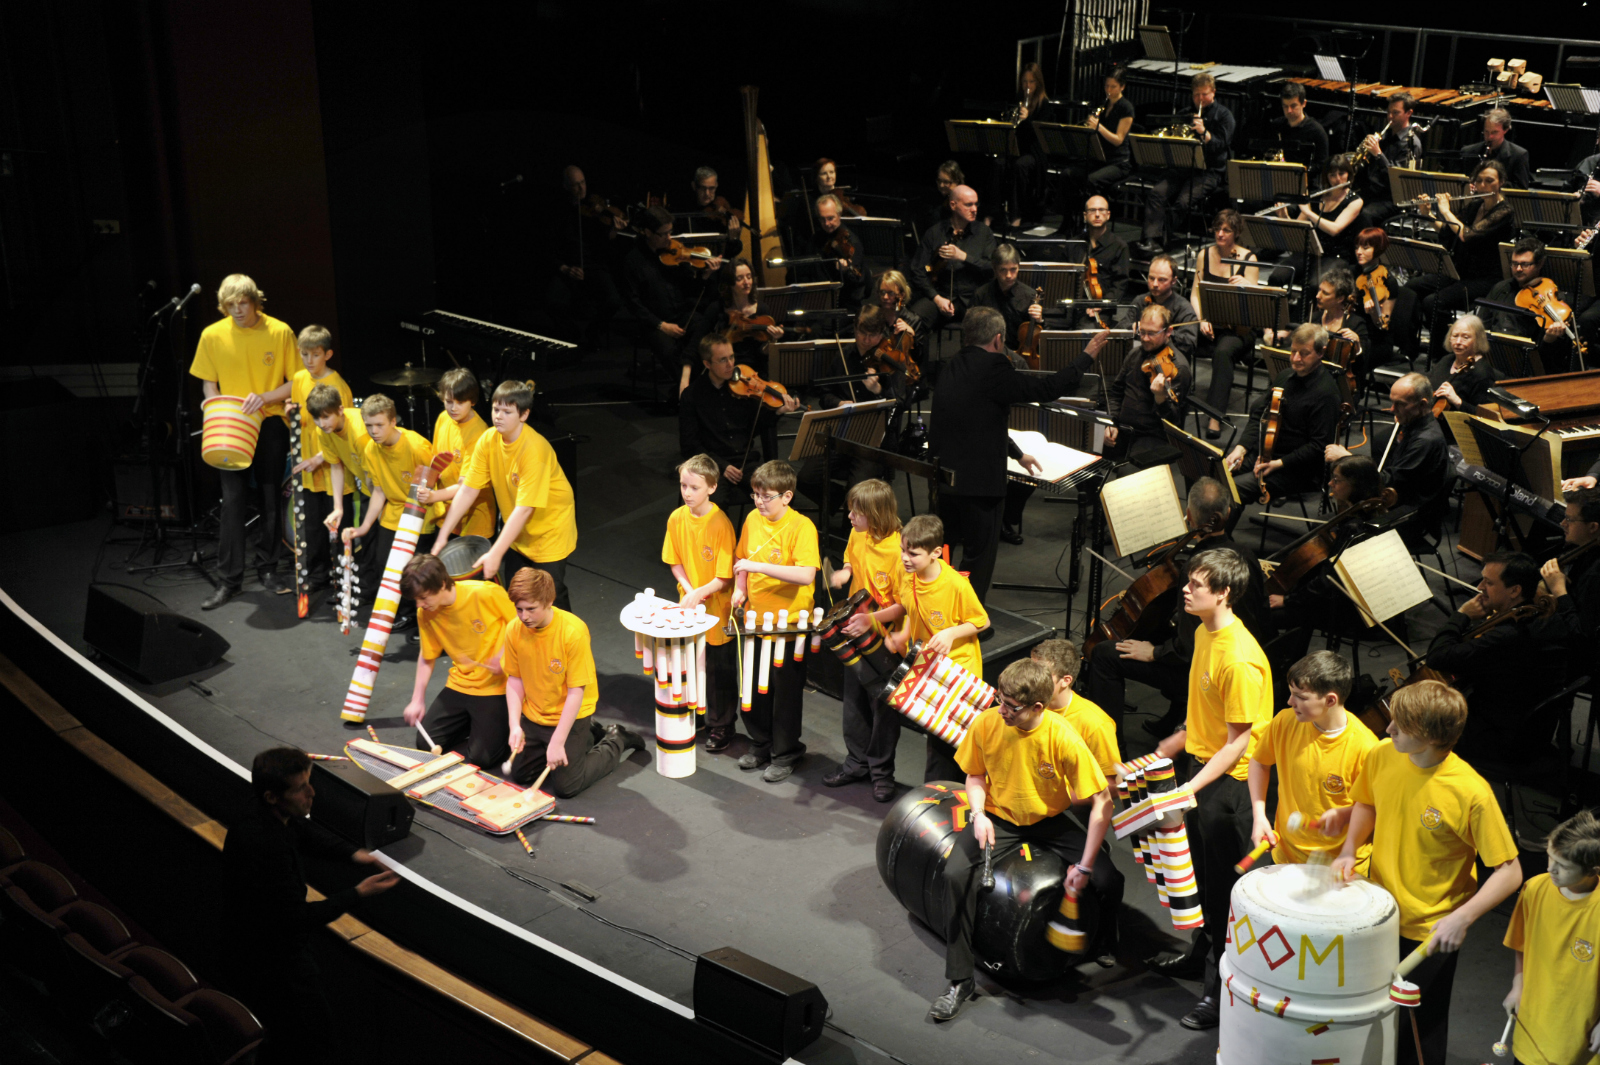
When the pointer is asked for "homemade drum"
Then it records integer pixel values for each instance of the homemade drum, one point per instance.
(670, 642)
(228, 435)
(1306, 969)
(1011, 934)
(463, 557)
(865, 655)
(940, 696)
(1151, 813)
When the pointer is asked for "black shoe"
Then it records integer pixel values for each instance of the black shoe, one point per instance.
(1214, 434)
(1106, 960)
(404, 622)
(1148, 248)
(949, 1004)
(1185, 966)
(1204, 1015)
(218, 597)
(275, 584)
(631, 741)
(842, 776)
(883, 790)
(1011, 534)
(718, 738)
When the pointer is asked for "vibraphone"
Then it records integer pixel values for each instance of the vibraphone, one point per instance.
(1152, 807)
(670, 641)
(1451, 98)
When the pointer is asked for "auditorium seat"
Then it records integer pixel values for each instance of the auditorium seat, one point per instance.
(161, 1030)
(166, 975)
(232, 1031)
(11, 851)
(30, 893)
(91, 975)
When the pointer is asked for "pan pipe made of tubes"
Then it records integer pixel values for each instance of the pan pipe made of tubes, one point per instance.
(772, 633)
(941, 696)
(670, 641)
(1151, 812)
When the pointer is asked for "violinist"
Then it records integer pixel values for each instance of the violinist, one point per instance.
(739, 308)
(1160, 291)
(1379, 295)
(1464, 377)
(1398, 145)
(1307, 419)
(951, 261)
(827, 178)
(674, 305)
(894, 300)
(844, 252)
(580, 293)
(1109, 251)
(1335, 293)
(1017, 303)
(1527, 271)
(879, 380)
(1504, 671)
(1225, 346)
(714, 420)
(1573, 579)
(716, 207)
(1303, 138)
(1212, 125)
(1142, 393)
(1473, 235)
(1113, 122)
(1416, 463)
(1496, 147)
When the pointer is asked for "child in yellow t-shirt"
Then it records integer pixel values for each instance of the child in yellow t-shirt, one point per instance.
(535, 499)
(1023, 767)
(316, 349)
(699, 547)
(871, 562)
(457, 430)
(1431, 817)
(1319, 748)
(467, 621)
(775, 566)
(1554, 932)
(342, 440)
(943, 614)
(552, 691)
(391, 457)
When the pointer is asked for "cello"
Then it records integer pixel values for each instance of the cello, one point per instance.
(1147, 604)
(1269, 437)
(1320, 544)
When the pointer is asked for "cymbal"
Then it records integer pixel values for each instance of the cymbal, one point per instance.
(408, 377)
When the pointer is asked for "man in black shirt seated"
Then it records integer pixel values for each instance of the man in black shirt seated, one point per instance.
(1399, 146)
(1576, 587)
(1514, 157)
(1308, 417)
(268, 920)
(1213, 126)
(1527, 270)
(675, 305)
(1162, 292)
(1017, 303)
(1141, 400)
(1110, 253)
(713, 420)
(846, 257)
(1418, 464)
(951, 262)
(1302, 137)
(580, 251)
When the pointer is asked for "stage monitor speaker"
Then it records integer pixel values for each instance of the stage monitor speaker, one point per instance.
(353, 803)
(776, 1011)
(138, 632)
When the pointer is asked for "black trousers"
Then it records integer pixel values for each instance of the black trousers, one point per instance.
(1106, 680)
(591, 754)
(1280, 483)
(1224, 351)
(259, 485)
(673, 353)
(929, 312)
(871, 731)
(1180, 190)
(774, 718)
(974, 523)
(319, 545)
(1435, 976)
(940, 762)
(722, 684)
(1219, 835)
(474, 724)
(370, 561)
(1017, 496)
(516, 560)
(1438, 298)
(286, 996)
(1063, 836)
(1104, 181)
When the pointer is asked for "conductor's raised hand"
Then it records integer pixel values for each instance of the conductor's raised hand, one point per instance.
(1097, 343)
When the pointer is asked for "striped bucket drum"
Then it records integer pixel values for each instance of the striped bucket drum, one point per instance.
(942, 697)
(228, 435)
(864, 655)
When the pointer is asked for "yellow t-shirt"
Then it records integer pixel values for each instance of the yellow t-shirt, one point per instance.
(348, 448)
(1560, 994)
(393, 469)
(1230, 680)
(875, 564)
(451, 435)
(525, 473)
(242, 361)
(470, 631)
(1316, 773)
(1031, 775)
(704, 548)
(944, 602)
(319, 480)
(1095, 727)
(548, 661)
(1430, 824)
(789, 541)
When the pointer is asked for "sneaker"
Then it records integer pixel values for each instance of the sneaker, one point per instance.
(775, 772)
(218, 597)
(751, 760)
(718, 738)
(949, 1004)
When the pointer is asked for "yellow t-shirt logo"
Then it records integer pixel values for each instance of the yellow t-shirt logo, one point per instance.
(555, 665)
(880, 578)
(936, 620)
(706, 552)
(478, 626)
(514, 477)
(1431, 819)
(266, 359)
(1583, 950)
(1047, 770)
(1333, 784)
(1205, 681)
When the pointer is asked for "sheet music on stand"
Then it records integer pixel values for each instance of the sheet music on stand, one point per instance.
(1244, 306)
(984, 136)
(865, 423)
(1059, 348)
(1065, 141)
(1572, 97)
(1064, 467)
(810, 296)
(1409, 184)
(1264, 181)
(1082, 430)
(1199, 458)
(1293, 235)
(1535, 207)
(1382, 576)
(1569, 268)
(1420, 257)
(1157, 43)
(794, 362)
(1142, 510)
(1055, 281)
(1166, 153)
(1514, 356)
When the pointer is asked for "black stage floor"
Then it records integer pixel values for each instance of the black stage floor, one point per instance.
(784, 872)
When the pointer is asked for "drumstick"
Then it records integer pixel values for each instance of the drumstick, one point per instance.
(433, 748)
(374, 734)
(1250, 859)
(1414, 959)
(524, 841)
(327, 757)
(571, 819)
(988, 867)
(547, 768)
(1502, 1048)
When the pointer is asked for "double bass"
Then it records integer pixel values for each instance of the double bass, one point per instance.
(1147, 604)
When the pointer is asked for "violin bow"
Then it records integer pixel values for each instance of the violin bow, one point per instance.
(845, 366)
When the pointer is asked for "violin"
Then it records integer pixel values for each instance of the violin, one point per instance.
(1540, 299)
(746, 382)
(1317, 546)
(1374, 291)
(595, 205)
(679, 253)
(894, 355)
(1269, 436)
(1092, 289)
(1147, 604)
(1162, 363)
(1030, 336)
(742, 327)
(722, 211)
(1442, 403)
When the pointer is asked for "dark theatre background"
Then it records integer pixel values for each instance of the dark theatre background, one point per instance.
(365, 164)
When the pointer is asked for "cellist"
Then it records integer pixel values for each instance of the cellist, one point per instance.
(1306, 421)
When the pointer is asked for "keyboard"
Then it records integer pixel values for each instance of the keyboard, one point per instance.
(457, 330)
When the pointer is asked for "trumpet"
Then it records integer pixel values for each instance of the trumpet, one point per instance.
(1095, 114)
(1014, 115)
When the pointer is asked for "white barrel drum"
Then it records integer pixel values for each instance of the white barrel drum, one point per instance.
(1306, 970)
(671, 643)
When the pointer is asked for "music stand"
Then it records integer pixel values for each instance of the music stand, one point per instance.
(1166, 153)
(1409, 184)
(1420, 257)
(864, 423)
(794, 361)
(1265, 181)
(1055, 281)
(1501, 456)
(1078, 143)
(810, 296)
(1571, 270)
(1199, 458)
(1550, 210)
(1271, 238)
(883, 240)
(1514, 356)
(985, 136)
(1060, 348)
